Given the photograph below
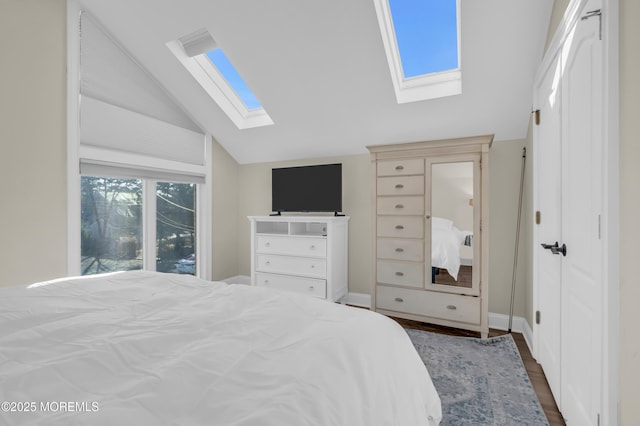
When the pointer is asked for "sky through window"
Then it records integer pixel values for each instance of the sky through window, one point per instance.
(231, 75)
(427, 35)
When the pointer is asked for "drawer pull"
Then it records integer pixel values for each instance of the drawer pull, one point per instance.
(266, 282)
(313, 266)
(268, 262)
(399, 167)
(312, 247)
(399, 299)
(399, 227)
(311, 288)
(400, 274)
(399, 186)
(452, 307)
(267, 244)
(399, 250)
(399, 206)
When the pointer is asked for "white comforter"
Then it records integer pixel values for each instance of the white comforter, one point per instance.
(142, 348)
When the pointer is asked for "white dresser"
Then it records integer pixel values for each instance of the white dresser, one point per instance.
(303, 254)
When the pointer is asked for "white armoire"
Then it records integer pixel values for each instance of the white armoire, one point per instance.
(430, 231)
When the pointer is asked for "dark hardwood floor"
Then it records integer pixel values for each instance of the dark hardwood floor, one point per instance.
(536, 375)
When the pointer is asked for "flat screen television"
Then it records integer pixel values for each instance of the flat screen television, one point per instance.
(307, 189)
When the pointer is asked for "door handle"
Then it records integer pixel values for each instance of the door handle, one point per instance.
(549, 246)
(557, 250)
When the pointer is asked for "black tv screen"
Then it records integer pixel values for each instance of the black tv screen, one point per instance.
(307, 188)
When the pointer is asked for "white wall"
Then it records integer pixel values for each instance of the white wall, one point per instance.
(33, 140)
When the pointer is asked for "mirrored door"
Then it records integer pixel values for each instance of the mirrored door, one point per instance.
(451, 207)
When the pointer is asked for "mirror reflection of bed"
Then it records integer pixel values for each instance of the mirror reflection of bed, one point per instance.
(452, 223)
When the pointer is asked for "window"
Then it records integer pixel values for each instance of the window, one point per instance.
(422, 44)
(111, 224)
(212, 69)
(175, 227)
(119, 214)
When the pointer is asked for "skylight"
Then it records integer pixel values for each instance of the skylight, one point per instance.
(228, 71)
(211, 68)
(421, 40)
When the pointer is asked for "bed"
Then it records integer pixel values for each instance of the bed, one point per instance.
(147, 348)
(446, 241)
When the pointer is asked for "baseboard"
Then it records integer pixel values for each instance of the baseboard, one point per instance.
(518, 325)
(497, 321)
(238, 279)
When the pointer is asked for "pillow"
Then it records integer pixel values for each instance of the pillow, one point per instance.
(441, 223)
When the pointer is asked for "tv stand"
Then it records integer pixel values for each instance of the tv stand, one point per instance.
(302, 254)
(276, 214)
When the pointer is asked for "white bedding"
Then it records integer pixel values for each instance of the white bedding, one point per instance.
(144, 348)
(445, 249)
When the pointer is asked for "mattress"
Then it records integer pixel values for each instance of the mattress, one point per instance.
(147, 348)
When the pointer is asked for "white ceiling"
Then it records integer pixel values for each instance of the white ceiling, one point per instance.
(320, 70)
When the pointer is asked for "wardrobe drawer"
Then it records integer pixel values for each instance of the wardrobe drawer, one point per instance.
(409, 205)
(310, 286)
(292, 265)
(406, 166)
(400, 185)
(299, 246)
(400, 249)
(400, 226)
(453, 307)
(408, 274)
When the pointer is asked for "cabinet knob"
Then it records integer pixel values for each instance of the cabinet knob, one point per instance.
(399, 299)
(400, 274)
(400, 167)
(452, 307)
(266, 282)
(268, 262)
(428, 216)
(399, 186)
(399, 227)
(311, 288)
(267, 244)
(312, 247)
(313, 266)
(399, 250)
(399, 206)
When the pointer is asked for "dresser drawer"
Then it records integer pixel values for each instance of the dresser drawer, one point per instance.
(310, 286)
(411, 166)
(408, 274)
(453, 307)
(299, 246)
(400, 185)
(292, 265)
(400, 249)
(400, 226)
(408, 205)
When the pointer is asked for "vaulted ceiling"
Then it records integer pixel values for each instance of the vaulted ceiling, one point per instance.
(319, 69)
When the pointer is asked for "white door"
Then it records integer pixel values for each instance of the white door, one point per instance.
(582, 153)
(568, 176)
(548, 203)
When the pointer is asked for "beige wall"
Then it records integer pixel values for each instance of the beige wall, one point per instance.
(33, 140)
(505, 159)
(224, 242)
(630, 211)
(255, 200)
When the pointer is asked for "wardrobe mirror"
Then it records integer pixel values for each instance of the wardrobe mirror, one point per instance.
(452, 222)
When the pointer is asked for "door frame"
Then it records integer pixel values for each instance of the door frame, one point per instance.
(610, 202)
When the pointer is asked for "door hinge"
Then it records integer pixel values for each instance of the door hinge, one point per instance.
(537, 117)
(537, 217)
(599, 227)
(598, 419)
(591, 14)
(537, 317)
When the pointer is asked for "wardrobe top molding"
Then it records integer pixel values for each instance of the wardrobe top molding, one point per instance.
(471, 144)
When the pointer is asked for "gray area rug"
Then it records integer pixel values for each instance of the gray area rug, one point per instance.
(480, 382)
